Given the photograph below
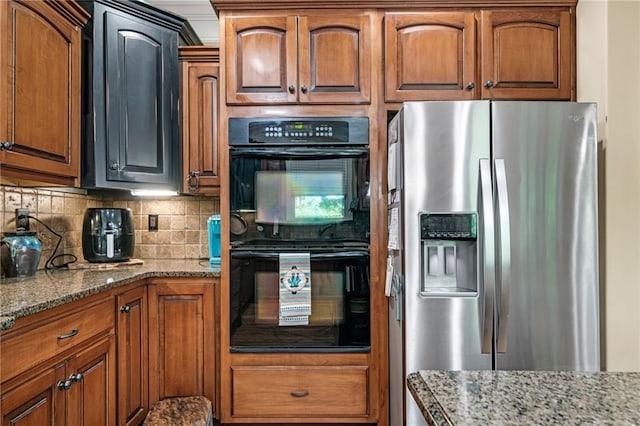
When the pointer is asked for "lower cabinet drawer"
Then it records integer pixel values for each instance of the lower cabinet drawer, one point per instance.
(279, 391)
(23, 350)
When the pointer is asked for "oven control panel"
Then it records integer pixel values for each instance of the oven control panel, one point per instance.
(299, 131)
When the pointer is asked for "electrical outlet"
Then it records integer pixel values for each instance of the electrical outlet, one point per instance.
(153, 222)
(22, 219)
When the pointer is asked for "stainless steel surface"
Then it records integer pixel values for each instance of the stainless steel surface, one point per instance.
(503, 273)
(486, 264)
(455, 134)
(528, 169)
(549, 150)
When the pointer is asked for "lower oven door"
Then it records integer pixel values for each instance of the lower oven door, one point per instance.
(339, 320)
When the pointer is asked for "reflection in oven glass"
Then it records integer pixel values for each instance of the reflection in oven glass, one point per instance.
(339, 319)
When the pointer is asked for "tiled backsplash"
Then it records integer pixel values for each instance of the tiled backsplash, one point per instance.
(182, 221)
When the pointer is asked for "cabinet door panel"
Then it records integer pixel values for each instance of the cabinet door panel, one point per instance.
(202, 129)
(261, 59)
(527, 54)
(41, 90)
(430, 56)
(36, 402)
(140, 132)
(334, 59)
(92, 398)
(132, 356)
(181, 340)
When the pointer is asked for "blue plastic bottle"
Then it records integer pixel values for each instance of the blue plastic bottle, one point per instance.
(213, 225)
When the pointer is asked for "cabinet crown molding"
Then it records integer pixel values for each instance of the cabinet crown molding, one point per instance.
(219, 5)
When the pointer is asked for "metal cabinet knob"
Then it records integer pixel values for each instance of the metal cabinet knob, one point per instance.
(303, 89)
(292, 89)
(64, 385)
(77, 377)
(470, 85)
(125, 309)
(488, 84)
(115, 166)
(6, 145)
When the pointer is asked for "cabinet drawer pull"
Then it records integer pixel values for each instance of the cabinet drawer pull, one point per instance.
(292, 89)
(6, 145)
(488, 84)
(125, 309)
(303, 89)
(299, 394)
(68, 335)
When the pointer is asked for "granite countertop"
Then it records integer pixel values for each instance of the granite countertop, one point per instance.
(20, 297)
(526, 397)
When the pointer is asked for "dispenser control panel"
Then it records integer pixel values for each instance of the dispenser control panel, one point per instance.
(448, 226)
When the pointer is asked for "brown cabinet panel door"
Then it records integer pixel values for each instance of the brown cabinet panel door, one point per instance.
(131, 320)
(261, 59)
(181, 340)
(40, 88)
(430, 56)
(527, 54)
(334, 58)
(202, 127)
(92, 396)
(38, 401)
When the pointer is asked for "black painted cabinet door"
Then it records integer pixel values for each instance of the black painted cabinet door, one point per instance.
(140, 101)
(135, 90)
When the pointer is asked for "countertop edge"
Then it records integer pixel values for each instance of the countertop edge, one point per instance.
(432, 411)
(132, 274)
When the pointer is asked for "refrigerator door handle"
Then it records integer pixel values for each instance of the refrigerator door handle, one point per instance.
(486, 256)
(503, 253)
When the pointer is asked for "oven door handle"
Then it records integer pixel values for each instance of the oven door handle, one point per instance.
(253, 254)
(311, 153)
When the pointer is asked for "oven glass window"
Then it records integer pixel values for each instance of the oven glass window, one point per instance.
(316, 197)
(339, 319)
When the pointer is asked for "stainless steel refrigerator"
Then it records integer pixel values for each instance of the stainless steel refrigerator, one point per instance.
(493, 241)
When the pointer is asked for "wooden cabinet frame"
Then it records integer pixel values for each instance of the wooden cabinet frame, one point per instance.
(40, 87)
(307, 58)
(182, 339)
(200, 98)
(493, 53)
(471, 29)
(528, 54)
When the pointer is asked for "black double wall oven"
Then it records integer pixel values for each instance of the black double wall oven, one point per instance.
(299, 188)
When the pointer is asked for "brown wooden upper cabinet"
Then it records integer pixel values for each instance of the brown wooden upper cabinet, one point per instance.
(40, 86)
(200, 93)
(298, 59)
(527, 54)
(471, 54)
(430, 55)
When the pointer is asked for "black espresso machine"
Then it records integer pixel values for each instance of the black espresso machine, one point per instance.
(107, 235)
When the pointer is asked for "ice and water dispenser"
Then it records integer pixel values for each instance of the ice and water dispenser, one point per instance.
(448, 254)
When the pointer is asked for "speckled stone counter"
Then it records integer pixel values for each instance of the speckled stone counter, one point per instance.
(526, 397)
(48, 289)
